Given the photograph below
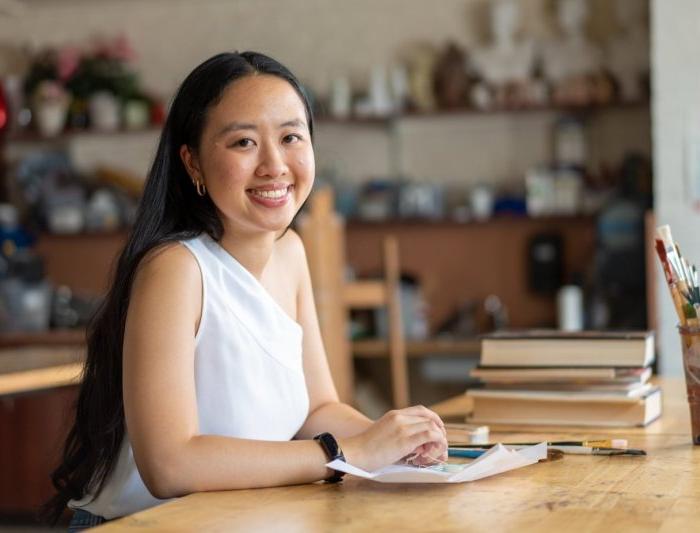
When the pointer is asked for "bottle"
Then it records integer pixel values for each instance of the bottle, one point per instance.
(570, 308)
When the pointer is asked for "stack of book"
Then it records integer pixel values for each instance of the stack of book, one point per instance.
(559, 378)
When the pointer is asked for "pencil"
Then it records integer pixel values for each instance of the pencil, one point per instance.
(599, 443)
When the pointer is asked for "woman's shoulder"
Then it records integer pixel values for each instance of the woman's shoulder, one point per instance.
(290, 244)
(290, 254)
(169, 263)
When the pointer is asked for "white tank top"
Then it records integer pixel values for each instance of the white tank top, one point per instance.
(248, 373)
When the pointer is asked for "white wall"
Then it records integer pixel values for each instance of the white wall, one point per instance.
(676, 105)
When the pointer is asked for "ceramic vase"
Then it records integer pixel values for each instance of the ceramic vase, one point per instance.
(105, 111)
(50, 116)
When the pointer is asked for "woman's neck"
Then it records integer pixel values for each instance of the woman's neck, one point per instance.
(253, 251)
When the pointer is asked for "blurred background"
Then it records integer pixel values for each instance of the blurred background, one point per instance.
(519, 151)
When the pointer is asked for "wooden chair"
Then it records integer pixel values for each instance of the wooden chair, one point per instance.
(323, 233)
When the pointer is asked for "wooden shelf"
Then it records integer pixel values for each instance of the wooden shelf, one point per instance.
(460, 263)
(493, 221)
(56, 337)
(32, 136)
(466, 112)
(375, 348)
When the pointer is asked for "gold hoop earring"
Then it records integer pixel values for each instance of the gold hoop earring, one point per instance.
(201, 188)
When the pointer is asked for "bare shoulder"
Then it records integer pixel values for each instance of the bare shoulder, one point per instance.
(291, 248)
(290, 254)
(166, 296)
(171, 264)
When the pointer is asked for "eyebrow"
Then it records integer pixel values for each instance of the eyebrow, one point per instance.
(238, 126)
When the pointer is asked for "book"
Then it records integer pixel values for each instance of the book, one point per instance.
(564, 394)
(566, 408)
(589, 387)
(553, 348)
(555, 375)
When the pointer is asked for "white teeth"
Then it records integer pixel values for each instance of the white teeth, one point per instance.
(274, 194)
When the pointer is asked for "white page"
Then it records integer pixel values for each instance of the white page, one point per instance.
(495, 461)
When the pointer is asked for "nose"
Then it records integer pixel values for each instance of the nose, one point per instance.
(272, 162)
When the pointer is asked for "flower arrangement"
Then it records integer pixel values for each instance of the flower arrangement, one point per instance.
(102, 66)
(96, 78)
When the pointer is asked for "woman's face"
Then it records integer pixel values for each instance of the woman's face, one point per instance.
(255, 155)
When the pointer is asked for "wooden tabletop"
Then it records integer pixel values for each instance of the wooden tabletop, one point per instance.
(659, 492)
(28, 369)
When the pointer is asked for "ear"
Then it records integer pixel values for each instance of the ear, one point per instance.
(191, 162)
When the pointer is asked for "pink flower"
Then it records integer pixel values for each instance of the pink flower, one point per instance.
(117, 48)
(68, 60)
(121, 49)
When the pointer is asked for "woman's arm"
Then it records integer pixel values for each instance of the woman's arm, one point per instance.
(160, 404)
(160, 401)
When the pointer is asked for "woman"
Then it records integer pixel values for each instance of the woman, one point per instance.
(205, 367)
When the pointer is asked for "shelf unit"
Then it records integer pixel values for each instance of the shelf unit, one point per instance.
(457, 262)
(466, 112)
(31, 136)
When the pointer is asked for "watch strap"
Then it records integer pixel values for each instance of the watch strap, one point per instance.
(332, 449)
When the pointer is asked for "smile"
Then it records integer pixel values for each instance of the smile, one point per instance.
(271, 196)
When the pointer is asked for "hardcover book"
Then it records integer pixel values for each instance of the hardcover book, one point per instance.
(553, 348)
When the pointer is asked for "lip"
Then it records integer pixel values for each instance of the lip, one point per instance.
(271, 202)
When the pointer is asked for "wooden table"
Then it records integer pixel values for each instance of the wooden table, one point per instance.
(26, 370)
(38, 378)
(660, 492)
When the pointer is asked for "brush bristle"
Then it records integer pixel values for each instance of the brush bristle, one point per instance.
(664, 233)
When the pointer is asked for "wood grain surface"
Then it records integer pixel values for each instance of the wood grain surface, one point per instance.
(659, 493)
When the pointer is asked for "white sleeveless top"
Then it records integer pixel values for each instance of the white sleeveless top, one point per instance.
(248, 373)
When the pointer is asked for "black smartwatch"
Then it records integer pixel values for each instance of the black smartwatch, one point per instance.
(333, 452)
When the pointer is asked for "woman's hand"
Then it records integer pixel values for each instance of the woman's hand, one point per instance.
(414, 433)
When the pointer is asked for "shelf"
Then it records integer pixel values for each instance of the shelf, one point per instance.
(50, 338)
(466, 112)
(496, 220)
(375, 348)
(32, 136)
(119, 233)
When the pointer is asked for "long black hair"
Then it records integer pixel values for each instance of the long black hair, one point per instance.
(170, 210)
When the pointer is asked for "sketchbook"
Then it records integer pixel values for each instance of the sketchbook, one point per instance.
(497, 460)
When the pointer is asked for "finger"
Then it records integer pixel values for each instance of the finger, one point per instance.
(406, 419)
(433, 451)
(417, 435)
(421, 410)
(406, 415)
(426, 460)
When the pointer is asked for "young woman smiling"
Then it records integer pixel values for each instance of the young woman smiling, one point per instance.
(205, 367)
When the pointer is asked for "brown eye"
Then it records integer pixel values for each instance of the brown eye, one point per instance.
(244, 143)
(291, 138)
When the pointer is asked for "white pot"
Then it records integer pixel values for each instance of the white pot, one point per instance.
(105, 111)
(136, 115)
(50, 117)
